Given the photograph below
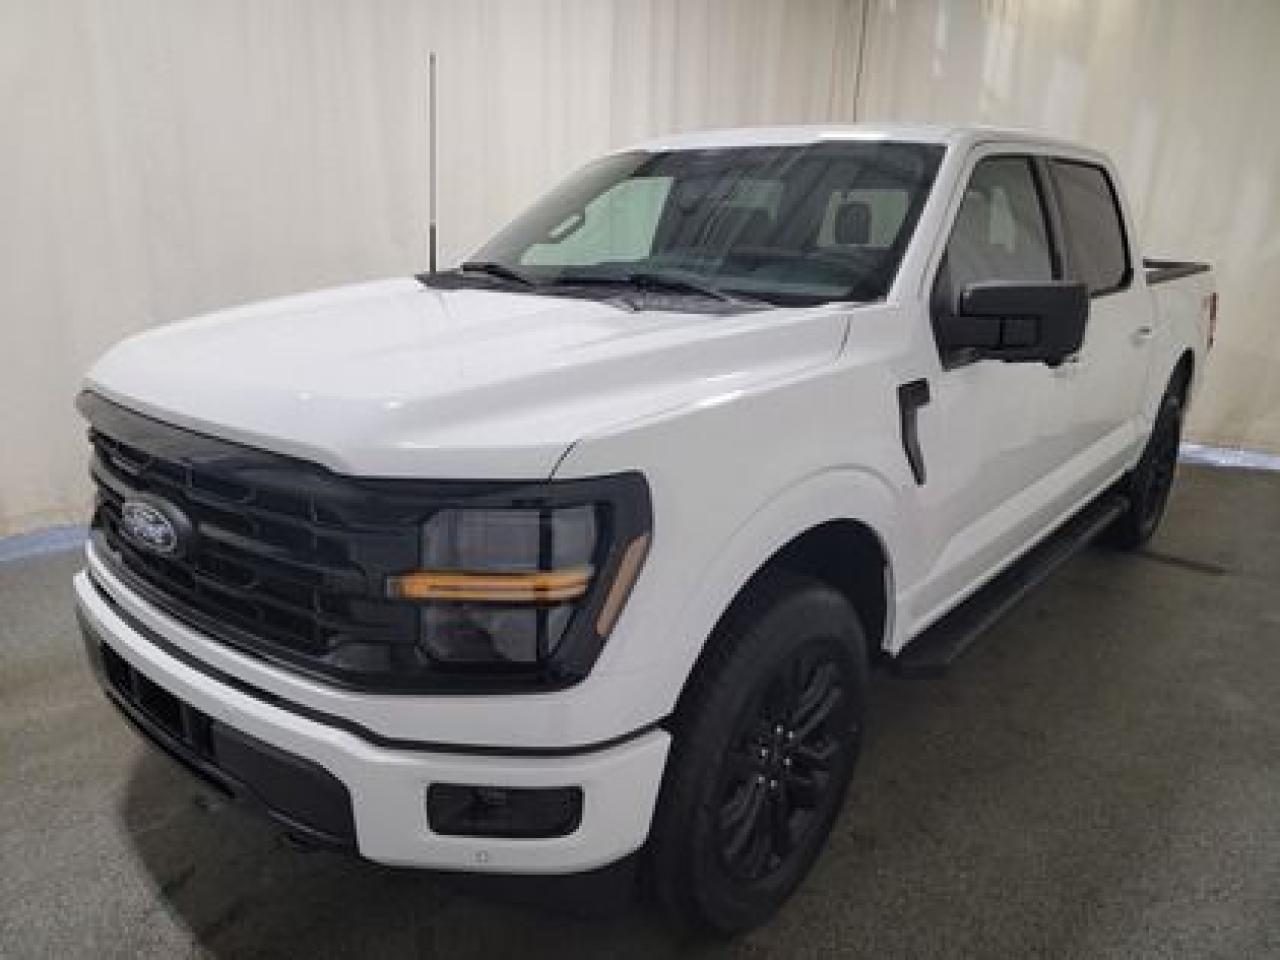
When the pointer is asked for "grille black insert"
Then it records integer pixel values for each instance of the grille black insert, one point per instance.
(284, 562)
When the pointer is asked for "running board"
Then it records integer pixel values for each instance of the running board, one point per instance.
(933, 652)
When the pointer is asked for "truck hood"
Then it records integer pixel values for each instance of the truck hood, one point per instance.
(394, 379)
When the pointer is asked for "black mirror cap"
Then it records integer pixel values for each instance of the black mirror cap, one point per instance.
(1017, 322)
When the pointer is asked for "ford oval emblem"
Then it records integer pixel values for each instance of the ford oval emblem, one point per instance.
(155, 525)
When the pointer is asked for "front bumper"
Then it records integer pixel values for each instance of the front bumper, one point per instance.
(387, 787)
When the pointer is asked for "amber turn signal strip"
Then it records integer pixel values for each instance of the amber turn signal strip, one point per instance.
(541, 586)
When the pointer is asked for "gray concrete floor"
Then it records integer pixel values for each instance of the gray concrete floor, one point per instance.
(1099, 778)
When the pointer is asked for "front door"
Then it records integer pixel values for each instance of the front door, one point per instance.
(994, 432)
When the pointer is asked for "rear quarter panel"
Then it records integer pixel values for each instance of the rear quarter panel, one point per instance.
(1182, 308)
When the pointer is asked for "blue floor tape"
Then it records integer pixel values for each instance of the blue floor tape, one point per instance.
(1225, 457)
(39, 542)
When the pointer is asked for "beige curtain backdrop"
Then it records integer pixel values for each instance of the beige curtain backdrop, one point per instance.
(1184, 94)
(159, 158)
(165, 157)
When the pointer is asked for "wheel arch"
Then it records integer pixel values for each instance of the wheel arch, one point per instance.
(847, 555)
(850, 549)
(1181, 380)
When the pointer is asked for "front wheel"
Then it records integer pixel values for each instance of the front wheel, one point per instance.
(766, 740)
(1148, 486)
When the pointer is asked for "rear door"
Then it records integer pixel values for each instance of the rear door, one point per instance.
(1103, 385)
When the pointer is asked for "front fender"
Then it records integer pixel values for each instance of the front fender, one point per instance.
(838, 494)
(658, 642)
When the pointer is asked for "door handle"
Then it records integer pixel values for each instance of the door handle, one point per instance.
(1143, 333)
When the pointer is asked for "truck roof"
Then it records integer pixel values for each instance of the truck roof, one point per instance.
(953, 134)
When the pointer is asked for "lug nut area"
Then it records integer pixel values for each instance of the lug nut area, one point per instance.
(773, 757)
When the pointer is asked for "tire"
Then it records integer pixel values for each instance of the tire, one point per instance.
(1148, 485)
(766, 737)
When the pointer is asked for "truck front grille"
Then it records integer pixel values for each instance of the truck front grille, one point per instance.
(264, 560)
(287, 559)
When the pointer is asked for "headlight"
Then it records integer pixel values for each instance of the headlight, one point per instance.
(528, 585)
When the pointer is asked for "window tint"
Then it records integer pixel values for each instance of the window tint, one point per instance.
(1099, 257)
(999, 231)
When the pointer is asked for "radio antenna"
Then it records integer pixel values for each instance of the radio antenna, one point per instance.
(431, 127)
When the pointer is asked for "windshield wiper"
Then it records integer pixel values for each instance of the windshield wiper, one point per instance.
(665, 281)
(495, 269)
(654, 281)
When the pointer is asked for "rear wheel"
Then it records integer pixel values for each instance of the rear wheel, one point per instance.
(766, 740)
(1148, 486)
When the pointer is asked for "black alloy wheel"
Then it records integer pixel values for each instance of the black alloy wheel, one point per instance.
(1159, 477)
(765, 739)
(1150, 482)
(778, 776)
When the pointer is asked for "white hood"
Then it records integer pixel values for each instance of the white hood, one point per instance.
(393, 379)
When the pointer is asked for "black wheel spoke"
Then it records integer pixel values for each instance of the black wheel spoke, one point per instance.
(760, 848)
(746, 824)
(780, 820)
(736, 808)
(804, 791)
(817, 756)
(819, 714)
(759, 852)
(813, 689)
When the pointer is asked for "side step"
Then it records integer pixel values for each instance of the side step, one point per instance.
(933, 652)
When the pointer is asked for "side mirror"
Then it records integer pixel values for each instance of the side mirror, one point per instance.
(1016, 322)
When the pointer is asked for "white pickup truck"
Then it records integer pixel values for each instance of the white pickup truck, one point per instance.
(585, 547)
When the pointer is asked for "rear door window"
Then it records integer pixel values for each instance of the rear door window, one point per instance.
(1095, 231)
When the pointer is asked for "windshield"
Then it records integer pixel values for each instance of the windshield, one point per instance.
(783, 224)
